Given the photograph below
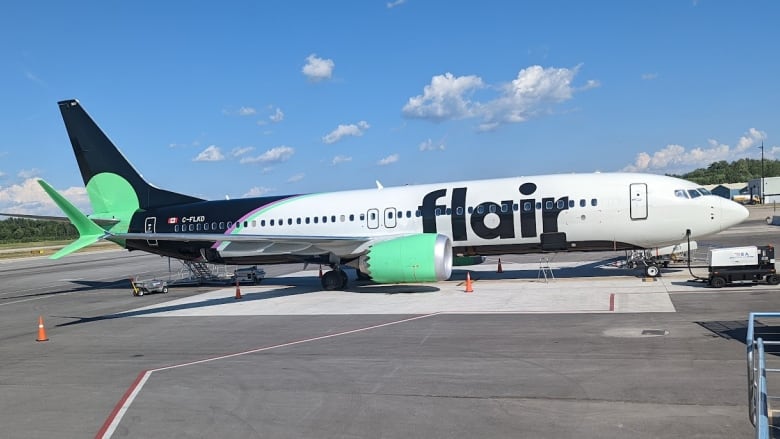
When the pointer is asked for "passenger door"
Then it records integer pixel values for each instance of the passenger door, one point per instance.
(638, 201)
(151, 227)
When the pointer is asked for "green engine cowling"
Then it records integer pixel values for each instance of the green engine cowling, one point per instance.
(426, 257)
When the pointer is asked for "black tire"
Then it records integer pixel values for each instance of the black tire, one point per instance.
(652, 271)
(165, 290)
(717, 282)
(773, 279)
(332, 280)
(141, 291)
(344, 278)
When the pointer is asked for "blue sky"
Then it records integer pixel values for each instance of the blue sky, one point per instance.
(248, 98)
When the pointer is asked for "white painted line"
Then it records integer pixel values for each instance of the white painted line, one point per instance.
(113, 420)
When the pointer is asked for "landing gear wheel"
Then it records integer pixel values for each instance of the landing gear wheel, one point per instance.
(717, 282)
(652, 271)
(773, 279)
(344, 278)
(334, 280)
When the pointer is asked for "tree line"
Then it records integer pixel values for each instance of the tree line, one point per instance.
(738, 171)
(14, 230)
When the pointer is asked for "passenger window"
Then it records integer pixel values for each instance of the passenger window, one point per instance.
(448, 211)
(298, 220)
(571, 204)
(548, 205)
(352, 217)
(471, 210)
(389, 214)
(594, 202)
(289, 221)
(307, 220)
(254, 223)
(417, 213)
(408, 213)
(538, 205)
(205, 226)
(480, 209)
(458, 211)
(515, 207)
(505, 208)
(229, 224)
(437, 212)
(197, 227)
(342, 218)
(214, 226)
(362, 217)
(492, 208)
(527, 206)
(561, 204)
(192, 227)
(271, 222)
(583, 203)
(316, 219)
(246, 223)
(221, 225)
(176, 228)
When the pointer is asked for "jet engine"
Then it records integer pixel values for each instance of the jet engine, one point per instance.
(426, 257)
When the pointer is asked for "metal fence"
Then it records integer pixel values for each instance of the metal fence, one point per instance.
(759, 399)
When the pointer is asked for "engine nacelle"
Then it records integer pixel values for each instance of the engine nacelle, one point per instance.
(426, 257)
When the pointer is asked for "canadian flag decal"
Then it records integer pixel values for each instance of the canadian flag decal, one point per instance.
(173, 220)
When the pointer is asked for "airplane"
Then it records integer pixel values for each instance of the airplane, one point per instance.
(390, 234)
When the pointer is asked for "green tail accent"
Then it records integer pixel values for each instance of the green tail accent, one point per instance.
(89, 232)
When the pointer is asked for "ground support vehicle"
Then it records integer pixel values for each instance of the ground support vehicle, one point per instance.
(738, 264)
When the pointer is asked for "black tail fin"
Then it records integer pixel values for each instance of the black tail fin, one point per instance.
(97, 156)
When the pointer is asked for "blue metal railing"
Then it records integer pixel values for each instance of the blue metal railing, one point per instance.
(758, 399)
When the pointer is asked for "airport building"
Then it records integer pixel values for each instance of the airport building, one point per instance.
(769, 193)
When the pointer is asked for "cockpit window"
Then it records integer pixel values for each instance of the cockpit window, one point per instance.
(703, 191)
(694, 193)
(680, 193)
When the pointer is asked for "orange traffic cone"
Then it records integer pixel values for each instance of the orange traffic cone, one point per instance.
(469, 289)
(320, 271)
(41, 330)
(500, 270)
(238, 290)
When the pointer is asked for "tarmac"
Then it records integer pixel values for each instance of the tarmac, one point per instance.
(592, 351)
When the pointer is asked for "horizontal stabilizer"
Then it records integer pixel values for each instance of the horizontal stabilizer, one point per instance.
(98, 221)
(89, 231)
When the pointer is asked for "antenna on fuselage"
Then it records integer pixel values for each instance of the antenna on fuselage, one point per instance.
(379, 185)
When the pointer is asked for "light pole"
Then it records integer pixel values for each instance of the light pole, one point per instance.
(762, 171)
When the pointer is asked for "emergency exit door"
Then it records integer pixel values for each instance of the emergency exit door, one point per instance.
(638, 201)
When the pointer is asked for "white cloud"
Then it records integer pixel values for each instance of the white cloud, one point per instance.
(29, 173)
(210, 154)
(750, 139)
(428, 145)
(239, 151)
(346, 130)
(447, 97)
(317, 69)
(296, 178)
(444, 98)
(677, 159)
(649, 76)
(392, 158)
(246, 111)
(257, 191)
(273, 155)
(341, 159)
(391, 5)
(29, 198)
(277, 117)
(2, 174)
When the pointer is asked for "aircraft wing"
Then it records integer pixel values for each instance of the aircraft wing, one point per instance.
(238, 245)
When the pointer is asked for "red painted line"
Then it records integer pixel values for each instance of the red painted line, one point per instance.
(120, 405)
(612, 302)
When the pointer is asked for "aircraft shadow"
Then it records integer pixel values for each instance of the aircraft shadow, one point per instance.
(593, 269)
(286, 290)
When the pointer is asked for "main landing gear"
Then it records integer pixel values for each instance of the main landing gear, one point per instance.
(335, 279)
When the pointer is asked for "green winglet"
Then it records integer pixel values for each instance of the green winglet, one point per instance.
(89, 231)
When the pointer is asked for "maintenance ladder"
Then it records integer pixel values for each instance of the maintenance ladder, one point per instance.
(763, 347)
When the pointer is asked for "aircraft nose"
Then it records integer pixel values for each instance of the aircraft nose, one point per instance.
(731, 213)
